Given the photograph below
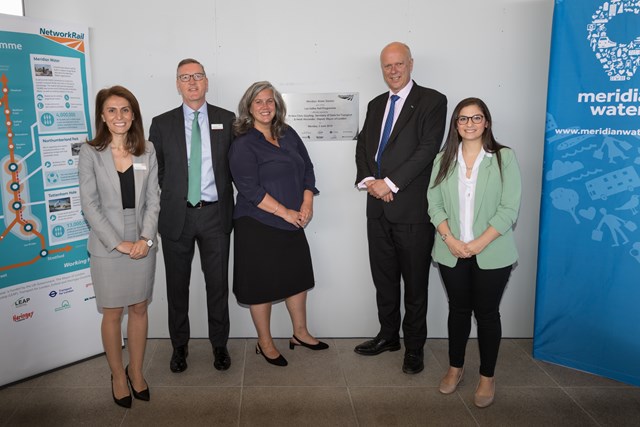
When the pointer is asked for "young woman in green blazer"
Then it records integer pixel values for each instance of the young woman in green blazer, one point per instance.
(474, 198)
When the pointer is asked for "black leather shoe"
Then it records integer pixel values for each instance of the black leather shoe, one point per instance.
(413, 361)
(278, 361)
(125, 402)
(222, 360)
(141, 395)
(179, 359)
(377, 346)
(295, 341)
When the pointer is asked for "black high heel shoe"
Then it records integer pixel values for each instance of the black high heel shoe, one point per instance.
(125, 402)
(320, 346)
(278, 361)
(141, 395)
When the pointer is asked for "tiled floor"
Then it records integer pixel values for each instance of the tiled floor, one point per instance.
(335, 387)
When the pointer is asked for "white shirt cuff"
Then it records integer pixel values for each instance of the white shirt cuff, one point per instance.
(391, 185)
(361, 184)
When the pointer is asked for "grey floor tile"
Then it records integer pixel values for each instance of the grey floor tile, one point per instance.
(526, 344)
(306, 367)
(296, 406)
(385, 369)
(610, 406)
(528, 406)
(567, 377)
(330, 387)
(187, 406)
(12, 399)
(152, 346)
(514, 366)
(93, 372)
(69, 406)
(200, 371)
(30, 383)
(403, 406)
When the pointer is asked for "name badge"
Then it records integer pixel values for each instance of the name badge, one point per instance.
(139, 167)
(217, 126)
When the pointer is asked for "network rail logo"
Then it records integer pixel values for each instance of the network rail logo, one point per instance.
(64, 34)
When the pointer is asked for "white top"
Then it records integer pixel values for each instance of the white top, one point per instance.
(467, 193)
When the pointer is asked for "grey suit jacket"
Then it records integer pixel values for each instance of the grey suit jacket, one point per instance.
(101, 198)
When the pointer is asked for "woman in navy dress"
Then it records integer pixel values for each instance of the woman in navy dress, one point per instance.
(274, 177)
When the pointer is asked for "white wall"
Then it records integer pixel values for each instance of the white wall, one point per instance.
(494, 49)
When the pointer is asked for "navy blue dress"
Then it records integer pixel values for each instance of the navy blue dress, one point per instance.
(272, 260)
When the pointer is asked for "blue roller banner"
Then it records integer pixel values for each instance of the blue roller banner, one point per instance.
(587, 313)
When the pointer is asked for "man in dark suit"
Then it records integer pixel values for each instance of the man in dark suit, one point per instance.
(400, 138)
(196, 205)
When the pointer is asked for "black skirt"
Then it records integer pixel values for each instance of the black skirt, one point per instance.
(270, 264)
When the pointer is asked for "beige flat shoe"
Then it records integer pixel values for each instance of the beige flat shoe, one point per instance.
(484, 401)
(447, 386)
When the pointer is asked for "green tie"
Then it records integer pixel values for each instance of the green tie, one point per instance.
(195, 162)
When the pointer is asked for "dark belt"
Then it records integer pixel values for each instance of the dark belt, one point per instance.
(200, 204)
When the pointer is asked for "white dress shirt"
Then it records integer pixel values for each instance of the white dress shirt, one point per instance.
(208, 189)
(403, 94)
(467, 193)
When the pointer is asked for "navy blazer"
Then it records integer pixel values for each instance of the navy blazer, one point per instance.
(408, 157)
(167, 133)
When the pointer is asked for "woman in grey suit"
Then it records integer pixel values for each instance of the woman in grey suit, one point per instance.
(120, 200)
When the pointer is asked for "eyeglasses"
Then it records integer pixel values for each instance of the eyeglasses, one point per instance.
(476, 119)
(196, 76)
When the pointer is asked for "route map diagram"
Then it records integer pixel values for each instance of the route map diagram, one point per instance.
(44, 106)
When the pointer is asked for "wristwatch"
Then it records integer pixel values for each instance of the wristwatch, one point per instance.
(444, 237)
(149, 242)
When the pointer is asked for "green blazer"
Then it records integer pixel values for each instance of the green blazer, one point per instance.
(497, 202)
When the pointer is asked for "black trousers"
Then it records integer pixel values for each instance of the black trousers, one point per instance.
(202, 226)
(401, 251)
(471, 289)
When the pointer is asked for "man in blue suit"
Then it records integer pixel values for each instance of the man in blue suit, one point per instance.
(396, 147)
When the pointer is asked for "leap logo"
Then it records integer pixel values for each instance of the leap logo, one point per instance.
(21, 302)
(52, 294)
(619, 58)
(22, 316)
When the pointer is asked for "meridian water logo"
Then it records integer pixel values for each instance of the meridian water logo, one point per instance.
(619, 97)
(619, 59)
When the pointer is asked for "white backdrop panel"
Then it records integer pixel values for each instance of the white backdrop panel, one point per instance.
(495, 49)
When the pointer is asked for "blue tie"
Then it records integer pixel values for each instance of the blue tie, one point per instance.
(388, 125)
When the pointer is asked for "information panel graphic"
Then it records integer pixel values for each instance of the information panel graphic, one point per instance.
(46, 119)
(587, 292)
(48, 316)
